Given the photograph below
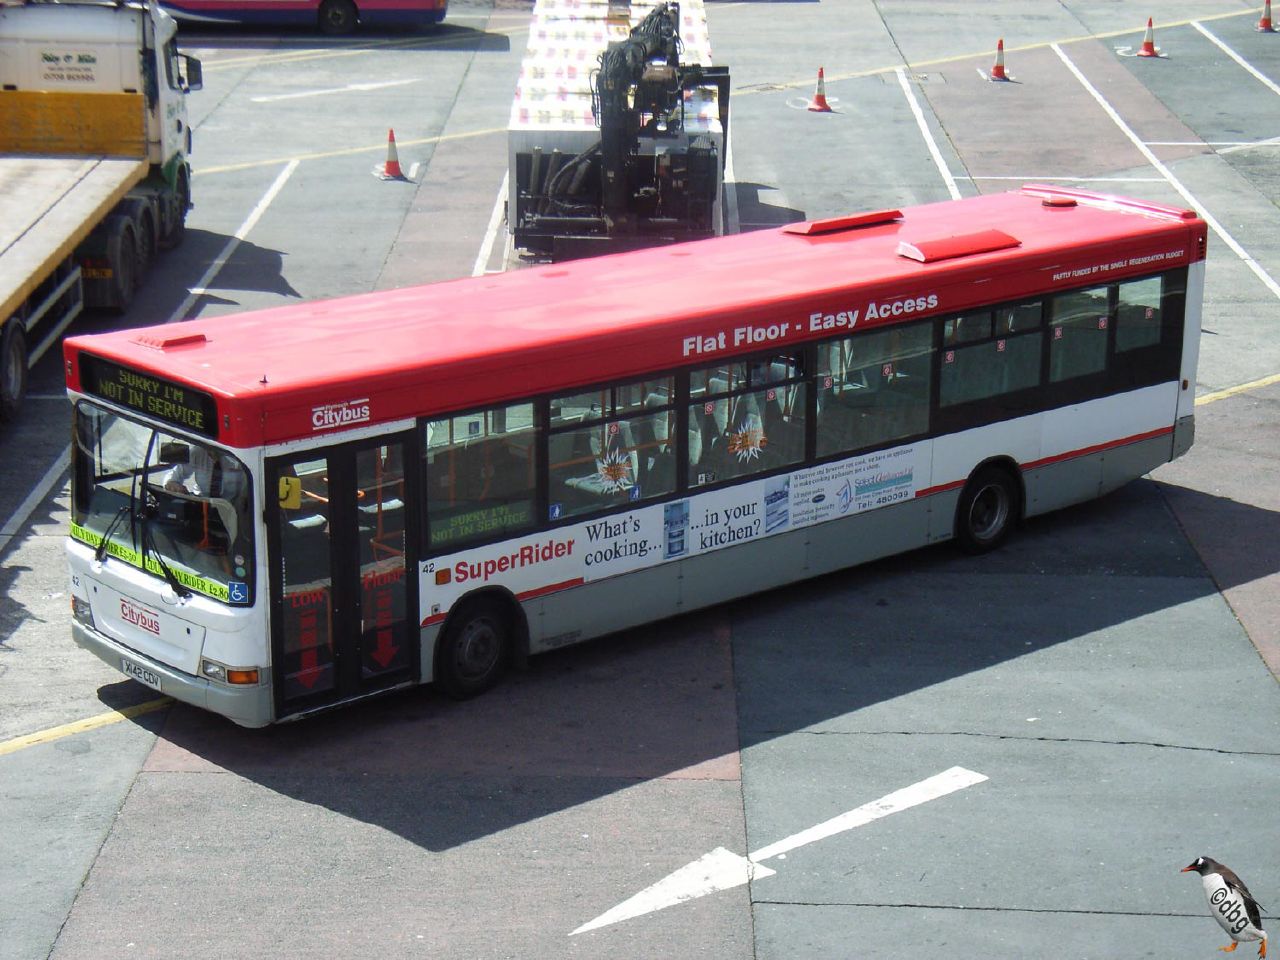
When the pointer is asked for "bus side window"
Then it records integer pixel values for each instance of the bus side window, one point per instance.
(480, 476)
(1138, 314)
(1078, 338)
(875, 387)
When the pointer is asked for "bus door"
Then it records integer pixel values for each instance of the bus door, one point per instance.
(343, 600)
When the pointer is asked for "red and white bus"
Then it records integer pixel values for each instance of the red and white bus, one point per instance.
(281, 511)
(331, 16)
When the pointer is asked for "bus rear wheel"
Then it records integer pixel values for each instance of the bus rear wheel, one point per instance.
(337, 17)
(474, 651)
(987, 510)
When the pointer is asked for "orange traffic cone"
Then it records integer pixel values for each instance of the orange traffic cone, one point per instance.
(391, 169)
(1149, 42)
(819, 102)
(997, 71)
(1264, 25)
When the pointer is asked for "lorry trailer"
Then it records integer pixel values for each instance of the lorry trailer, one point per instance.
(94, 171)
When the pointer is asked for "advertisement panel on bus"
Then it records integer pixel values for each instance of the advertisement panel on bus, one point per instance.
(331, 16)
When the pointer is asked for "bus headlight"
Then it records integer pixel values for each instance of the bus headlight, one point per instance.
(81, 612)
(220, 672)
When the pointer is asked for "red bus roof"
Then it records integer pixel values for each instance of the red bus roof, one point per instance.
(477, 341)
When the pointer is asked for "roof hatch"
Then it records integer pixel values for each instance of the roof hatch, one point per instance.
(959, 245)
(811, 228)
(160, 341)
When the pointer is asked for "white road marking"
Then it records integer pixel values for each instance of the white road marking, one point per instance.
(1165, 172)
(730, 186)
(201, 288)
(722, 869)
(350, 88)
(925, 132)
(1273, 142)
(1039, 179)
(36, 497)
(1270, 84)
(480, 267)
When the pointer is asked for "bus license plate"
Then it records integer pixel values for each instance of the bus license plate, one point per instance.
(139, 673)
(97, 273)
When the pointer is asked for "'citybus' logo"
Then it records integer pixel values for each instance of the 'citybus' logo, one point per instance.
(343, 414)
(148, 620)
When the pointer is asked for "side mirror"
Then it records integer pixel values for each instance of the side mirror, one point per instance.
(195, 73)
(290, 493)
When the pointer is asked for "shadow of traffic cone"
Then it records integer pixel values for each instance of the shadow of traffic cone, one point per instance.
(819, 102)
(997, 71)
(1149, 42)
(1264, 25)
(391, 169)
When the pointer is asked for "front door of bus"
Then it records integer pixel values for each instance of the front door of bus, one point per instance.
(343, 600)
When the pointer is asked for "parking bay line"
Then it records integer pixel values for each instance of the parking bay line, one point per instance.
(1258, 75)
(722, 869)
(349, 88)
(938, 161)
(1165, 172)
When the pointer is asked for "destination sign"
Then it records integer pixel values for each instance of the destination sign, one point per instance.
(150, 395)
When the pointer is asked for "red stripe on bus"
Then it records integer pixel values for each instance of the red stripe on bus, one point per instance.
(1059, 458)
(527, 595)
(941, 488)
(1098, 448)
(554, 588)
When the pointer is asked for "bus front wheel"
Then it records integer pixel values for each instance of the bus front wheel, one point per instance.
(987, 510)
(474, 651)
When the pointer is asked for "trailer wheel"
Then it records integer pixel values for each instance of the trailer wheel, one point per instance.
(987, 510)
(146, 227)
(337, 17)
(473, 652)
(127, 270)
(13, 368)
(181, 202)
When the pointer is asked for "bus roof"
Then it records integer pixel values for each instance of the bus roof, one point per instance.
(478, 341)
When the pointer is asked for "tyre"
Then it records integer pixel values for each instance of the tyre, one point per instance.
(181, 202)
(987, 510)
(145, 226)
(337, 17)
(474, 651)
(126, 270)
(13, 368)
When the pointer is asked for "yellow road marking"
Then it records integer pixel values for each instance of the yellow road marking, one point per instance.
(82, 726)
(349, 152)
(1242, 388)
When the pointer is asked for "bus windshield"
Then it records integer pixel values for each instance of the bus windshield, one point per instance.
(175, 507)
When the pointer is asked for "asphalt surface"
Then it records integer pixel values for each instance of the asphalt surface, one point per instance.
(1110, 672)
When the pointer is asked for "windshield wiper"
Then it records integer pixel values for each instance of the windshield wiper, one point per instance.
(148, 542)
(144, 518)
(101, 550)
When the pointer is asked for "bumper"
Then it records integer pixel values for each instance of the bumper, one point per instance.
(1184, 434)
(247, 706)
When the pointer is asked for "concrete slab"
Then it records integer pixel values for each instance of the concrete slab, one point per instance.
(1224, 496)
(308, 880)
(47, 849)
